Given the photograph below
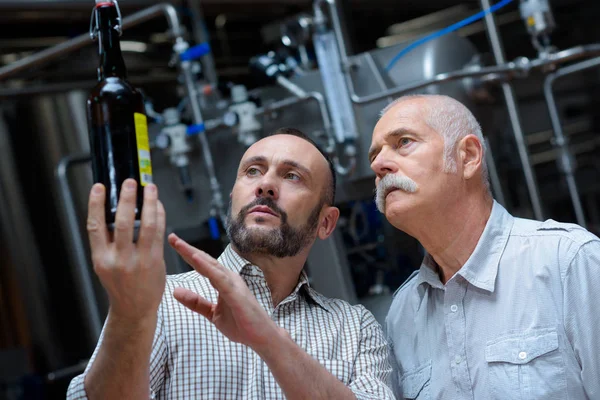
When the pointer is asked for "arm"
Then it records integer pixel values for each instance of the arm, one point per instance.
(293, 368)
(123, 363)
(240, 317)
(133, 275)
(394, 381)
(158, 359)
(581, 305)
(372, 370)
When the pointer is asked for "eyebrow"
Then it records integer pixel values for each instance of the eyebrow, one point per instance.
(297, 166)
(253, 160)
(396, 133)
(263, 160)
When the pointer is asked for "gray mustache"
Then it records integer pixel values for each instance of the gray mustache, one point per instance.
(392, 182)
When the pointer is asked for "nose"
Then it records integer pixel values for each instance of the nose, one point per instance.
(267, 188)
(383, 164)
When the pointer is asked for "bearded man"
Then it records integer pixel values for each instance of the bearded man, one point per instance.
(247, 325)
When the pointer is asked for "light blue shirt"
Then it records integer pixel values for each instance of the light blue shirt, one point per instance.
(520, 320)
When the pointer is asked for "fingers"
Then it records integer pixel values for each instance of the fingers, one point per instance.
(161, 222)
(124, 219)
(158, 244)
(203, 263)
(149, 220)
(194, 302)
(96, 223)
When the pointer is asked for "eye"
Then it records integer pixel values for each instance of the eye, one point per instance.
(292, 176)
(252, 171)
(405, 141)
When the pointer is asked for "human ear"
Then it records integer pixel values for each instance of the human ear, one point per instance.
(470, 151)
(329, 220)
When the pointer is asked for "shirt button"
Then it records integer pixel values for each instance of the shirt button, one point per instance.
(522, 355)
(457, 359)
(453, 307)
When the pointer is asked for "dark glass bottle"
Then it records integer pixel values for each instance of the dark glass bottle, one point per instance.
(117, 119)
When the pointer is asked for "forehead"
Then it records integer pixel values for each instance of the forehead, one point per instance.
(279, 148)
(408, 114)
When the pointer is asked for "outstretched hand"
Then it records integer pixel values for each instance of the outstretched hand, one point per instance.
(237, 313)
(133, 274)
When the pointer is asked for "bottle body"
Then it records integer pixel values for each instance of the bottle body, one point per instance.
(118, 127)
(118, 141)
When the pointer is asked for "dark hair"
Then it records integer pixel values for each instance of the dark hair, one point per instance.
(330, 194)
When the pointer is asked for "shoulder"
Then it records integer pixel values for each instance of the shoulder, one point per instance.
(409, 283)
(553, 229)
(560, 238)
(345, 311)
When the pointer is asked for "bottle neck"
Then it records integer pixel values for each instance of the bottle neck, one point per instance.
(111, 59)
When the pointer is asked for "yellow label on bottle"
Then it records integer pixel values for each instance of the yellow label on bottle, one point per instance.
(530, 21)
(143, 146)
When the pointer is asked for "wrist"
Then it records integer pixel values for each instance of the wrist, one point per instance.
(274, 343)
(133, 324)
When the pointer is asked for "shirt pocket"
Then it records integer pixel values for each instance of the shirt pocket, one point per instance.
(339, 368)
(526, 365)
(415, 382)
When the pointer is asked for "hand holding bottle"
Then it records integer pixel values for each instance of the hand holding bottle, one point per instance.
(133, 274)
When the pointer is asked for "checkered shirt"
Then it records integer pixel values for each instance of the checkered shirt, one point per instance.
(191, 359)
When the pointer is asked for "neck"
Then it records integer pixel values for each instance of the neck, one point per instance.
(111, 59)
(450, 237)
(281, 274)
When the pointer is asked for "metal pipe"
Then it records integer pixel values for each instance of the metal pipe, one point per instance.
(46, 88)
(513, 114)
(566, 55)
(332, 60)
(438, 79)
(337, 26)
(68, 372)
(200, 35)
(290, 86)
(79, 260)
(566, 163)
(377, 74)
(193, 94)
(493, 175)
(69, 46)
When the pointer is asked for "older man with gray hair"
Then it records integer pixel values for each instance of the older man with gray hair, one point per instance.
(501, 307)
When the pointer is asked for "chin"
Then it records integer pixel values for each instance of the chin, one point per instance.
(399, 213)
(260, 226)
(260, 221)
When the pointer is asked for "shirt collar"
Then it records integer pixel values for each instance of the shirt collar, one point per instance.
(233, 261)
(481, 268)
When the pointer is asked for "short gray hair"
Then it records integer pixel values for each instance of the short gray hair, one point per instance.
(453, 121)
